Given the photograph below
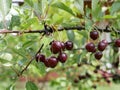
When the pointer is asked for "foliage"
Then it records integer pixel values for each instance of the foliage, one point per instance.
(17, 49)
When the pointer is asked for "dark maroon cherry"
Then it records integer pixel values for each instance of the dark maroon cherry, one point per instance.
(105, 41)
(95, 71)
(69, 45)
(76, 80)
(101, 46)
(52, 61)
(62, 57)
(55, 47)
(90, 47)
(94, 86)
(94, 35)
(41, 57)
(107, 80)
(94, 50)
(81, 77)
(79, 64)
(63, 45)
(46, 62)
(117, 42)
(98, 55)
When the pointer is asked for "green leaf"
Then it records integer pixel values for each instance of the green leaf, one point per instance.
(3, 60)
(63, 7)
(97, 12)
(29, 22)
(5, 6)
(115, 7)
(15, 21)
(109, 17)
(11, 87)
(70, 35)
(1, 25)
(38, 5)
(84, 34)
(29, 2)
(28, 44)
(31, 86)
(79, 4)
(94, 4)
(3, 44)
(19, 52)
(41, 68)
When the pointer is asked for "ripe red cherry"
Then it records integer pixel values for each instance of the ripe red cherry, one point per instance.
(94, 50)
(94, 35)
(46, 62)
(52, 61)
(63, 45)
(90, 47)
(98, 55)
(41, 57)
(101, 46)
(69, 45)
(55, 47)
(105, 41)
(76, 80)
(62, 57)
(117, 43)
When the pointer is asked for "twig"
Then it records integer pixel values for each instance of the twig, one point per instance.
(50, 30)
(31, 60)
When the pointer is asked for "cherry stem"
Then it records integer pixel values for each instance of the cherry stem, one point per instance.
(31, 60)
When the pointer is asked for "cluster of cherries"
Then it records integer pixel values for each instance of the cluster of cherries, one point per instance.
(56, 47)
(90, 47)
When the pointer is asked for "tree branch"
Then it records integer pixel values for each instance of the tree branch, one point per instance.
(50, 30)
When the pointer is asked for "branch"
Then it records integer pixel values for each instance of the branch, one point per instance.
(51, 30)
(31, 60)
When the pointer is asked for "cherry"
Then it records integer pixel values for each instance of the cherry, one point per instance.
(98, 55)
(69, 45)
(90, 47)
(94, 50)
(46, 62)
(117, 42)
(94, 35)
(62, 57)
(95, 71)
(40, 57)
(79, 64)
(107, 80)
(97, 67)
(76, 80)
(81, 77)
(105, 41)
(94, 86)
(101, 46)
(88, 75)
(52, 61)
(55, 47)
(63, 45)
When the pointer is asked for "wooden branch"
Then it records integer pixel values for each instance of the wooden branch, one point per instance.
(50, 30)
